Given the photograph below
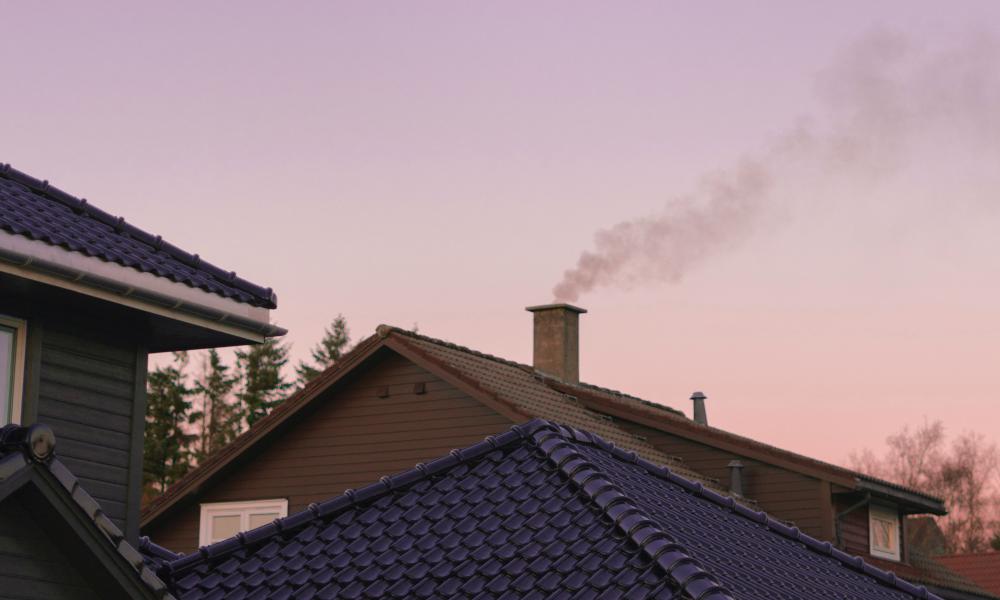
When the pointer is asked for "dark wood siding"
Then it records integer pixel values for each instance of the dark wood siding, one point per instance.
(853, 526)
(31, 564)
(784, 494)
(350, 440)
(87, 389)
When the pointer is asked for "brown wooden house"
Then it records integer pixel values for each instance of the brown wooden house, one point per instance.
(400, 398)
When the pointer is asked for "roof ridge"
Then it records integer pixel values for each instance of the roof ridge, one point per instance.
(156, 242)
(619, 393)
(564, 387)
(385, 330)
(687, 572)
(351, 498)
(35, 444)
(793, 533)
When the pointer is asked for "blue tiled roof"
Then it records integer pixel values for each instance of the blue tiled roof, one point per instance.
(35, 210)
(542, 511)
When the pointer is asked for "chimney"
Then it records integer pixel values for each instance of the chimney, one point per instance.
(699, 408)
(557, 340)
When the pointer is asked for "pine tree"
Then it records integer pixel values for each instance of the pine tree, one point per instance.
(262, 384)
(219, 419)
(167, 444)
(334, 344)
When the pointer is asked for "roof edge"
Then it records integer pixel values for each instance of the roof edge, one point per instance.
(134, 290)
(43, 188)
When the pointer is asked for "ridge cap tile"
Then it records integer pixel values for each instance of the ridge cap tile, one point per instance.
(36, 446)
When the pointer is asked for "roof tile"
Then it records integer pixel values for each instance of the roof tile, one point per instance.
(611, 525)
(37, 211)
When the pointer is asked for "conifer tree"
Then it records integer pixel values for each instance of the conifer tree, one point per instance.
(219, 420)
(262, 385)
(167, 443)
(334, 344)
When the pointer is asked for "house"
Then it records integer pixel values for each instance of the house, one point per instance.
(401, 398)
(983, 569)
(541, 511)
(84, 298)
(55, 540)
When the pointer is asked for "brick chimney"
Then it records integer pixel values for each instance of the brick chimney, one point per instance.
(557, 340)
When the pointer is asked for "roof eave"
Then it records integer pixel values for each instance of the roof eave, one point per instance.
(914, 502)
(52, 265)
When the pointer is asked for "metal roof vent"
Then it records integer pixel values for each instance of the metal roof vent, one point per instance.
(700, 416)
(735, 477)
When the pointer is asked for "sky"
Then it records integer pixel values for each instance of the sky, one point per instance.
(799, 212)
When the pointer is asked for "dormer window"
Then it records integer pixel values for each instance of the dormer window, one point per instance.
(883, 528)
(12, 334)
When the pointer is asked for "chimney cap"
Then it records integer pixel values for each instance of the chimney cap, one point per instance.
(554, 306)
(698, 396)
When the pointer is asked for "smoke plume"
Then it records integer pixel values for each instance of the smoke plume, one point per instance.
(882, 95)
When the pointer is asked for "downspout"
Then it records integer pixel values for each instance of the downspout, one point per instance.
(836, 519)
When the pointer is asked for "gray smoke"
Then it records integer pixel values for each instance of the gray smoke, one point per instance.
(884, 93)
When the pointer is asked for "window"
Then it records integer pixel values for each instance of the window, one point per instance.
(12, 337)
(883, 527)
(222, 520)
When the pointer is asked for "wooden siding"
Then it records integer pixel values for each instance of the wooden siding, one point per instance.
(853, 527)
(33, 566)
(784, 494)
(349, 440)
(87, 388)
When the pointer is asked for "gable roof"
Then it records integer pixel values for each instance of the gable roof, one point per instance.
(983, 569)
(27, 458)
(542, 511)
(512, 389)
(35, 210)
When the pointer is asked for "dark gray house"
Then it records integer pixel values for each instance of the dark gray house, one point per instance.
(84, 298)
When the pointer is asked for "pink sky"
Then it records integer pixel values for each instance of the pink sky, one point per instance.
(444, 163)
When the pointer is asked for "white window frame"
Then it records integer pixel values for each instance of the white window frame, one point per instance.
(884, 513)
(20, 328)
(243, 509)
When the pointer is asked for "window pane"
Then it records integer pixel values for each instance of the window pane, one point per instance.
(258, 519)
(225, 526)
(6, 372)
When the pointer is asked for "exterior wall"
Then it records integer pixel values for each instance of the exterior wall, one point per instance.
(853, 527)
(784, 494)
(351, 439)
(86, 378)
(32, 566)
(86, 393)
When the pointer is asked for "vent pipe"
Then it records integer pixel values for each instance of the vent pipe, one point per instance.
(700, 416)
(736, 478)
(557, 340)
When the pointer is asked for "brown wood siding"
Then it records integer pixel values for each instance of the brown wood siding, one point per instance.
(349, 441)
(86, 393)
(32, 566)
(784, 494)
(853, 527)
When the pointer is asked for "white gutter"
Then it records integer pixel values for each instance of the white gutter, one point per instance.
(54, 265)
